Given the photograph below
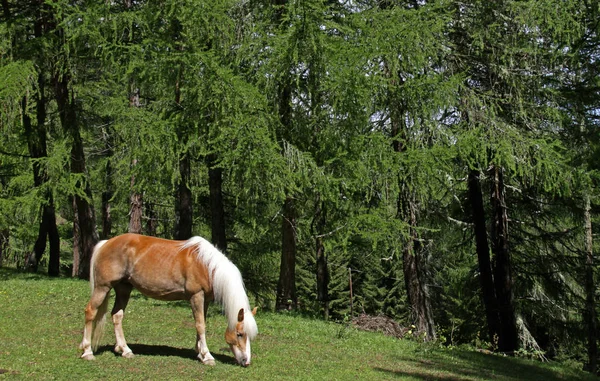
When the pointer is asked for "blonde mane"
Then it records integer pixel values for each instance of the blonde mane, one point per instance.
(227, 284)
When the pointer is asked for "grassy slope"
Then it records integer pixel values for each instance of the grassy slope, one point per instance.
(41, 322)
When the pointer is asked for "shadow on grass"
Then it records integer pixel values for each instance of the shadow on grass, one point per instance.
(7, 273)
(465, 365)
(165, 350)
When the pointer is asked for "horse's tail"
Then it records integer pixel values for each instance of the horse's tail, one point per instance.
(100, 319)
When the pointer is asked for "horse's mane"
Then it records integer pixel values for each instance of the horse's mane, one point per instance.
(227, 284)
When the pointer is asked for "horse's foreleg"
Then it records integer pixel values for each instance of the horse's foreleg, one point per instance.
(123, 291)
(198, 308)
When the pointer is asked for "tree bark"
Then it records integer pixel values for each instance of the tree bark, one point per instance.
(151, 222)
(413, 265)
(217, 208)
(286, 286)
(88, 235)
(590, 300)
(319, 221)
(483, 255)
(413, 269)
(136, 204)
(135, 213)
(508, 341)
(183, 199)
(4, 240)
(184, 206)
(108, 193)
(76, 239)
(37, 145)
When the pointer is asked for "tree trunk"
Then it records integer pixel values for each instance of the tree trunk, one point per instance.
(135, 207)
(413, 268)
(286, 286)
(217, 209)
(184, 207)
(183, 200)
(319, 221)
(152, 219)
(4, 240)
(413, 264)
(590, 300)
(108, 193)
(36, 141)
(76, 239)
(53, 236)
(106, 216)
(483, 256)
(85, 214)
(135, 213)
(508, 341)
(88, 236)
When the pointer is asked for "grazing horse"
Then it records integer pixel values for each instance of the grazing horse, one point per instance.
(191, 270)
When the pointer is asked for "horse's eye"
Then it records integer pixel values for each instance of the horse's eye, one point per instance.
(240, 334)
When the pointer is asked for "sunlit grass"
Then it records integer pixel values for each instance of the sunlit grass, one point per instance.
(41, 323)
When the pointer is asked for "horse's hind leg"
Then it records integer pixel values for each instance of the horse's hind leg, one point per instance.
(123, 291)
(199, 308)
(94, 319)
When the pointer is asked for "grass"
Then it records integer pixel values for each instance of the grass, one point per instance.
(41, 323)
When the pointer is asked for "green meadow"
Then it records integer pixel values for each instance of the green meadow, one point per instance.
(41, 324)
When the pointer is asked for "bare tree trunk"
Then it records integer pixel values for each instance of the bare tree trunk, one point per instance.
(36, 139)
(590, 300)
(413, 268)
(217, 209)
(36, 142)
(508, 341)
(49, 220)
(4, 241)
(286, 286)
(183, 208)
(135, 207)
(183, 199)
(483, 256)
(84, 209)
(107, 195)
(76, 239)
(135, 213)
(152, 219)
(106, 215)
(318, 228)
(85, 215)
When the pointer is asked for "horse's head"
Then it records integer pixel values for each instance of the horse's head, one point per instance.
(239, 339)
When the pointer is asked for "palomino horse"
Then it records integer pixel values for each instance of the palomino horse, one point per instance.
(191, 270)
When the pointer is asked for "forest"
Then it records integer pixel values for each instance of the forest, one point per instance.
(433, 161)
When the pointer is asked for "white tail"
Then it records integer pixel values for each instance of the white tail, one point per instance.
(100, 319)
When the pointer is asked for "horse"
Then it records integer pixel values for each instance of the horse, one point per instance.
(164, 269)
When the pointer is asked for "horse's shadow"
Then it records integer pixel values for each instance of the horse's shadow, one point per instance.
(164, 350)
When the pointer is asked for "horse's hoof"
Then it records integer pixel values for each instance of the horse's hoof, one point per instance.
(128, 355)
(210, 362)
(88, 357)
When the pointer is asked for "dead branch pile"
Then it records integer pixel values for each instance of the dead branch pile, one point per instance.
(380, 323)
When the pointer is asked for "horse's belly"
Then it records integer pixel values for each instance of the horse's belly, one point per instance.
(169, 296)
(161, 292)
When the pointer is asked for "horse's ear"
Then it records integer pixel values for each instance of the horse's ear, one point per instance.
(254, 311)
(241, 315)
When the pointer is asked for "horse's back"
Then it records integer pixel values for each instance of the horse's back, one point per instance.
(157, 267)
